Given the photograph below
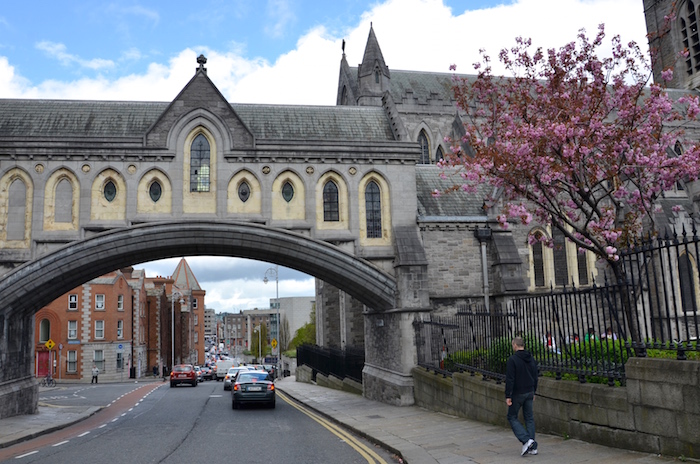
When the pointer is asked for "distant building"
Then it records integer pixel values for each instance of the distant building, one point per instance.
(122, 323)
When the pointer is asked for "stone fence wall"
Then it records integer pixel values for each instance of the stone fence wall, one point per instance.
(656, 412)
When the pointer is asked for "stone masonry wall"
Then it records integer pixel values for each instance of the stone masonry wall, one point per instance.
(655, 413)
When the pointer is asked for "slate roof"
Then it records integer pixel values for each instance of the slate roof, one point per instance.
(184, 278)
(454, 204)
(315, 122)
(72, 118)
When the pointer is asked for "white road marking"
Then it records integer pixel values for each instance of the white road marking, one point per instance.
(61, 443)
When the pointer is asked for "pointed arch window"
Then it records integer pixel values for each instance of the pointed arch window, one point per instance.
(561, 268)
(243, 191)
(110, 191)
(155, 191)
(287, 191)
(376, 76)
(63, 208)
(331, 211)
(688, 278)
(439, 155)
(538, 260)
(17, 210)
(690, 38)
(344, 96)
(373, 210)
(424, 148)
(200, 157)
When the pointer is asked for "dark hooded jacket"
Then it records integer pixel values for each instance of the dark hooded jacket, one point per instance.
(521, 373)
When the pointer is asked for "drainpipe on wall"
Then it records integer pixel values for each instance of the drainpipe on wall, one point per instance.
(484, 235)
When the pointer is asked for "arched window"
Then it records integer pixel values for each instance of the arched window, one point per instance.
(330, 202)
(44, 331)
(155, 191)
(376, 76)
(17, 210)
(344, 96)
(691, 39)
(199, 164)
(538, 261)
(439, 155)
(63, 210)
(561, 267)
(688, 278)
(582, 263)
(373, 210)
(287, 191)
(244, 191)
(424, 148)
(110, 191)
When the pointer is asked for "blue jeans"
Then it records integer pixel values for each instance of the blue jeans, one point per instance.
(524, 401)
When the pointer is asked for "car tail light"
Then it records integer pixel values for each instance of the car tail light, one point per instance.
(236, 387)
(270, 387)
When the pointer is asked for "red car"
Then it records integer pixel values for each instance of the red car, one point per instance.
(183, 373)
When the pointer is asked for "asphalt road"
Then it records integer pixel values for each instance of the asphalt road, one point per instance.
(159, 424)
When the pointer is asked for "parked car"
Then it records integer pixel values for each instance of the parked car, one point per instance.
(253, 387)
(231, 375)
(183, 373)
(198, 372)
(207, 373)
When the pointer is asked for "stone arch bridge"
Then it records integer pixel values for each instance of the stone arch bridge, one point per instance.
(87, 187)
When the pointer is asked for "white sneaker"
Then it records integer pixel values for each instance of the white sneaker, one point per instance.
(532, 451)
(526, 446)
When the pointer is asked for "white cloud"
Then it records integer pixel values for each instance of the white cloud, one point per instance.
(280, 14)
(58, 51)
(308, 74)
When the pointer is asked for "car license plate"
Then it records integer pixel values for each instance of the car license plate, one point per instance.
(255, 389)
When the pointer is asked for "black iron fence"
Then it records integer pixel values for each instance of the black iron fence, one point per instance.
(588, 333)
(331, 361)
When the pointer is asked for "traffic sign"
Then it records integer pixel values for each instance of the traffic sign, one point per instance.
(120, 347)
(274, 343)
(49, 344)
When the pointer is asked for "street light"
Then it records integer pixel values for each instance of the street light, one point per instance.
(172, 323)
(275, 271)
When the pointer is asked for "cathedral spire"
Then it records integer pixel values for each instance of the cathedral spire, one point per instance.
(373, 58)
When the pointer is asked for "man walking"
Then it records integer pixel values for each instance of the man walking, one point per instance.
(521, 385)
(95, 373)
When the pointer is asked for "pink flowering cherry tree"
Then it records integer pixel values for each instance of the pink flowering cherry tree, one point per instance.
(577, 141)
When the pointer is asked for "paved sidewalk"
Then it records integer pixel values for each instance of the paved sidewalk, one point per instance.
(417, 435)
(421, 436)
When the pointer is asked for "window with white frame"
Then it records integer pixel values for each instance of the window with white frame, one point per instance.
(120, 303)
(99, 360)
(99, 302)
(194, 303)
(72, 302)
(196, 319)
(72, 330)
(44, 330)
(120, 329)
(72, 361)
(120, 362)
(99, 330)
(196, 337)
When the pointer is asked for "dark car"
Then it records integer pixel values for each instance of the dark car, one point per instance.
(271, 369)
(207, 373)
(183, 373)
(253, 387)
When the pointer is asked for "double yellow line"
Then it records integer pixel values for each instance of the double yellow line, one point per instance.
(366, 452)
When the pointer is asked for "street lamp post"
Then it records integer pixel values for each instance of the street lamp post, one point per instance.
(172, 325)
(275, 270)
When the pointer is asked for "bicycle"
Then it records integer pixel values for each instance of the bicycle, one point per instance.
(48, 381)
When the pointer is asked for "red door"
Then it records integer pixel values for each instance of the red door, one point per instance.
(43, 359)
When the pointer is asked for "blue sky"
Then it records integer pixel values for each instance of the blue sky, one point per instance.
(274, 51)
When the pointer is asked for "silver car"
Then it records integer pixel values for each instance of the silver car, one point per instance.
(231, 375)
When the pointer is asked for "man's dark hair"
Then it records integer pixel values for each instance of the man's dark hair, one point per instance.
(519, 342)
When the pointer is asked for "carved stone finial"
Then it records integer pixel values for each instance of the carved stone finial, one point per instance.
(202, 60)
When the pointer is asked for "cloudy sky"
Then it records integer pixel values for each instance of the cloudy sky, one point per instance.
(274, 51)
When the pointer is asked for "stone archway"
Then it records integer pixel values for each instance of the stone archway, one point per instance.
(37, 283)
